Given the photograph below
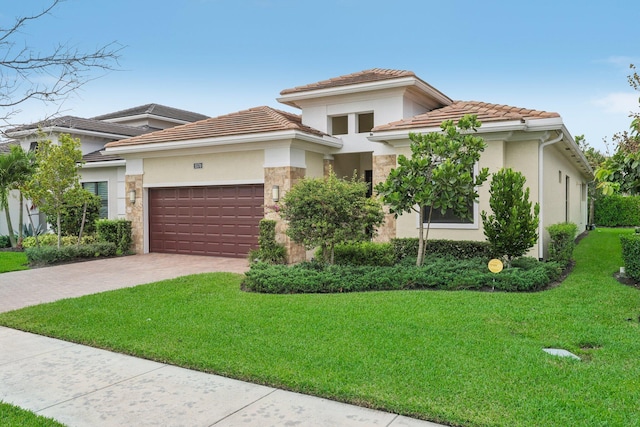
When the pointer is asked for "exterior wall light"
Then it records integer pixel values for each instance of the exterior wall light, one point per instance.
(275, 193)
(132, 196)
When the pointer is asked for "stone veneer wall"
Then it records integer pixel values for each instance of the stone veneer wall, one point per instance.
(284, 177)
(135, 211)
(382, 166)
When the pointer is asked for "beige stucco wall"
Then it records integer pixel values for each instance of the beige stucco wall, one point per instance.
(219, 168)
(315, 164)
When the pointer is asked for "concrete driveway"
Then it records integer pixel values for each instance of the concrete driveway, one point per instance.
(30, 287)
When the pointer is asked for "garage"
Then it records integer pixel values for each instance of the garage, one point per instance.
(215, 221)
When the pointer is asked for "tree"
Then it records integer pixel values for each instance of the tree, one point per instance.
(326, 211)
(56, 174)
(596, 159)
(512, 228)
(49, 76)
(81, 210)
(621, 172)
(15, 170)
(438, 175)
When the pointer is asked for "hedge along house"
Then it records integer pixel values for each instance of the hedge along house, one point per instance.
(202, 188)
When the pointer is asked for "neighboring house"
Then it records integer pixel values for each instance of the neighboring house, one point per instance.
(201, 188)
(102, 175)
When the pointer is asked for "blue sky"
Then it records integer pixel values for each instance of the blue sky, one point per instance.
(219, 56)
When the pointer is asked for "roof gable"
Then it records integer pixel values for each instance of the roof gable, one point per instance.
(252, 121)
(486, 112)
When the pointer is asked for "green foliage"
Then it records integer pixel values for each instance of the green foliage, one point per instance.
(76, 201)
(269, 250)
(52, 240)
(631, 255)
(16, 168)
(436, 273)
(116, 231)
(459, 249)
(562, 242)
(512, 228)
(326, 211)
(617, 211)
(47, 255)
(362, 253)
(5, 242)
(439, 174)
(56, 173)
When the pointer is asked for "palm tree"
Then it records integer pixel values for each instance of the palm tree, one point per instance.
(15, 169)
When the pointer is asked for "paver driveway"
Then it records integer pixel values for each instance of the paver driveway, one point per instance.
(29, 287)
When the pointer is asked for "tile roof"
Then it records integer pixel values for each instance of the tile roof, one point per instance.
(5, 147)
(366, 76)
(254, 120)
(97, 156)
(156, 110)
(72, 122)
(485, 111)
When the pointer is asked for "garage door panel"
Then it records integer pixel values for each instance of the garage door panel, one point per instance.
(221, 221)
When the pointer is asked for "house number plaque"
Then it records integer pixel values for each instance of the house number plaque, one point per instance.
(197, 165)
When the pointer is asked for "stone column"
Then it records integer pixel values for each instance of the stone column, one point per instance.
(135, 211)
(382, 165)
(284, 177)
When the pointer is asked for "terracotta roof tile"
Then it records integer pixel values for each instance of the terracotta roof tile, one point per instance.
(254, 120)
(485, 111)
(366, 76)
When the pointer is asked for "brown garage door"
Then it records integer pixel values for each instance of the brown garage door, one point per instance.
(220, 220)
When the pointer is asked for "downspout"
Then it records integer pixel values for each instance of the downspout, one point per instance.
(541, 192)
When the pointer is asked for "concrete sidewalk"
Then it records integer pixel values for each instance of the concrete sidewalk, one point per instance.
(85, 386)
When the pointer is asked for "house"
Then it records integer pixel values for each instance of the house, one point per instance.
(202, 187)
(102, 175)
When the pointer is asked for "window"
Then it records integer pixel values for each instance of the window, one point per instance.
(448, 217)
(99, 189)
(365, 122)
(339, 125)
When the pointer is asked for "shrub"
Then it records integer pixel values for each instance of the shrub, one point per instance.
(562, 242)
(269, 250)
(46, 255)
(617, 211)
(363, 253)
(436, 273)
(461, 249)
(631, 255)
(116, 231)
(5, 242)
(52, 240)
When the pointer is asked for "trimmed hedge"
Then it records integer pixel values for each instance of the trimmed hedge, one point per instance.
(52, 240)
(47, 255)
(562, 242)
(461, 249)
(617, 211)
(363, 253)
(116, 231)
(437, 273)
(631, 255)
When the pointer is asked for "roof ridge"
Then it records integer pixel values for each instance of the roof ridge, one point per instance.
(369, 75)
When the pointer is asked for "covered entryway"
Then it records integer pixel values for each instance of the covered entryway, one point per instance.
(218, 221)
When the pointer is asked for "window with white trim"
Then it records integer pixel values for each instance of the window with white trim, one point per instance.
(100, 189)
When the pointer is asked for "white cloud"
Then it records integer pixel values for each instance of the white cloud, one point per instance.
(618, 102)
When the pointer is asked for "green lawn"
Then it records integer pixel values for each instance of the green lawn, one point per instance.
(12, 261)
(12, 416)
(462, 358)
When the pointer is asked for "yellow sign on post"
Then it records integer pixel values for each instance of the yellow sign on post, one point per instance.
(495, 266)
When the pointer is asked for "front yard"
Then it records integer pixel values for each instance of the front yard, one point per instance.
(460, 358)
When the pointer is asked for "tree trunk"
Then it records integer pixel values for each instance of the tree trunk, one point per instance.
(12, 237)
(84, 217)
(59, 231)
(21, 220)
(35, 233)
